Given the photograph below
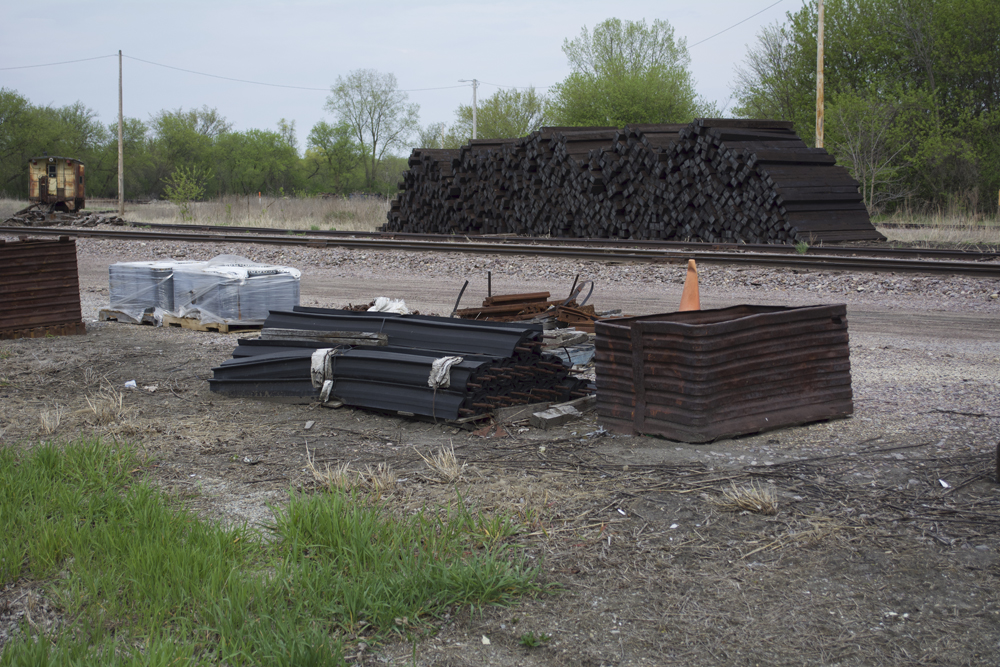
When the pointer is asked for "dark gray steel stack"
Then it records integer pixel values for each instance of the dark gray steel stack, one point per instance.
(502, 364)
(700, 375)
(715, 180)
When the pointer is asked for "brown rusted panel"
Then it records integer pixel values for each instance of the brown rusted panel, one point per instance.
(697, 376)
(39, 289)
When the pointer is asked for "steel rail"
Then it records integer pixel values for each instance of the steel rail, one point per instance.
(819, 262)
(853, 251)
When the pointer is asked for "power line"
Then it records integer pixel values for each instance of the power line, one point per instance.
(736, 24)
(516, 87)
(64, 62)
(417, 90)
(226, 78)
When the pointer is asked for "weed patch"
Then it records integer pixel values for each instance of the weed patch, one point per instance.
(142, 580)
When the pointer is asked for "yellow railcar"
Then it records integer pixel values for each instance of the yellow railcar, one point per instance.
(56, 182)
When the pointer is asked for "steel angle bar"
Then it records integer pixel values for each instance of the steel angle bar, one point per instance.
(442, 404)
(264, 388)
(444, 335)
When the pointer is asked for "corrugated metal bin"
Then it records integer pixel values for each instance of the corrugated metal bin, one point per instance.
(39, 289)
(698, 376)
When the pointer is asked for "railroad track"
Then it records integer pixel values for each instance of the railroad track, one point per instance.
(851, 251)
(982, 265)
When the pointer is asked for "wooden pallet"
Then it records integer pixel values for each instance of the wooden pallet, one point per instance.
(218, 327)
(46, 331)
(111, 315)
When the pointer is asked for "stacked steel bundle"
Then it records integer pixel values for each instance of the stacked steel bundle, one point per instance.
(488, 365)
(712, 180)
(700, 375)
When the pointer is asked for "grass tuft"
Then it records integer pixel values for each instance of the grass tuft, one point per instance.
(444, 464)
(750, 498)
(107, 406)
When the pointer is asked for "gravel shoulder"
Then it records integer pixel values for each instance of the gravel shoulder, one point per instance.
(885, 548)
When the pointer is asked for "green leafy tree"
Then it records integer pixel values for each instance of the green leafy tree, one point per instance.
(185, 185)
(505, 114)
(929, 69)
(255, 161)
(626, 72)
(332, 156)
(377, 112)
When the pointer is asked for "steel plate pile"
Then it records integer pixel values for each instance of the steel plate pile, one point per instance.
(486, 365)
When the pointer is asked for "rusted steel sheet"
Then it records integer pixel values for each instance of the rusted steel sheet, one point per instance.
(701, 375)
(39, 289)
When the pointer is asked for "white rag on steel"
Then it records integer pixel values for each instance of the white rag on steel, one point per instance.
(386, 305)
(440, 376)
(321, 371)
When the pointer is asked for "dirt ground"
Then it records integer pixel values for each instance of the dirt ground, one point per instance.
(885, 548)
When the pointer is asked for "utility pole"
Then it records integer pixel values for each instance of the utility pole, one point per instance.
(121, 144)
(475, 84)
(819, 78)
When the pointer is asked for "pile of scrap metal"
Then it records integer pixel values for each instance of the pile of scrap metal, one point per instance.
(535, 307)
(413, 364)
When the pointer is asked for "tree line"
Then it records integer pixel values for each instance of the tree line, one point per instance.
(912, 88)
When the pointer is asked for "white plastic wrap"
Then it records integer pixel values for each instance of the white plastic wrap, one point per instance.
(228, 288)
(136, 287)
(232, 288)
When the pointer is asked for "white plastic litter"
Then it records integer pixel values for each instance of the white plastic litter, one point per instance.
(440, 375)
(130, 384)
(386, 305)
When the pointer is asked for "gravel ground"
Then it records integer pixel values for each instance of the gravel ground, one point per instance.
(870, 559)
(430, 281)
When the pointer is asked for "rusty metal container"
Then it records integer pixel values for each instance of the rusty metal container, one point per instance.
(39, 289)
(57, 181)
(698, 376)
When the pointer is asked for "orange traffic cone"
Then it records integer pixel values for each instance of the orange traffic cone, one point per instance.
(689, 297)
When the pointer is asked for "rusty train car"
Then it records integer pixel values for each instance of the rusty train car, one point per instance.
(56, 182)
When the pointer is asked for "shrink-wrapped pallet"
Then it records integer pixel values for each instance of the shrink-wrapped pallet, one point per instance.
(228, 288)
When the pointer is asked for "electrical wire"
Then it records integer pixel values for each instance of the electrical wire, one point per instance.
(516, 87)
(226, 78)
(736, 24)
(64, 62)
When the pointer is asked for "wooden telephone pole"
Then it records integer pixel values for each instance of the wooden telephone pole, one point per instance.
(121, 144)
(819, 78)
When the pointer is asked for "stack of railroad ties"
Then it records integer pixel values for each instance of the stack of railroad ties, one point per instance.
(437, 367)
(714, 180)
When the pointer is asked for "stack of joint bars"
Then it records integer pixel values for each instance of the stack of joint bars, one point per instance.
(394, 362)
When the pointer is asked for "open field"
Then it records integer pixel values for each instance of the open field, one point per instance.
(883, 547)
(362, 214)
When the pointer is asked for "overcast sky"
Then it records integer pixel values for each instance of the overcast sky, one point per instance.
(310, 43)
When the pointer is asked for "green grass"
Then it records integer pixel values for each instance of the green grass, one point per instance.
(138, 579)
(531, 640)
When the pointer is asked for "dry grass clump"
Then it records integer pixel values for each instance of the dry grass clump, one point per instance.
(362, 214)
(107, 407)
(444, 464)
(753, 497)
(50, 419)
(379, 479)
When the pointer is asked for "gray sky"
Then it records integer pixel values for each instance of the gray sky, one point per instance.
(308, 43)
